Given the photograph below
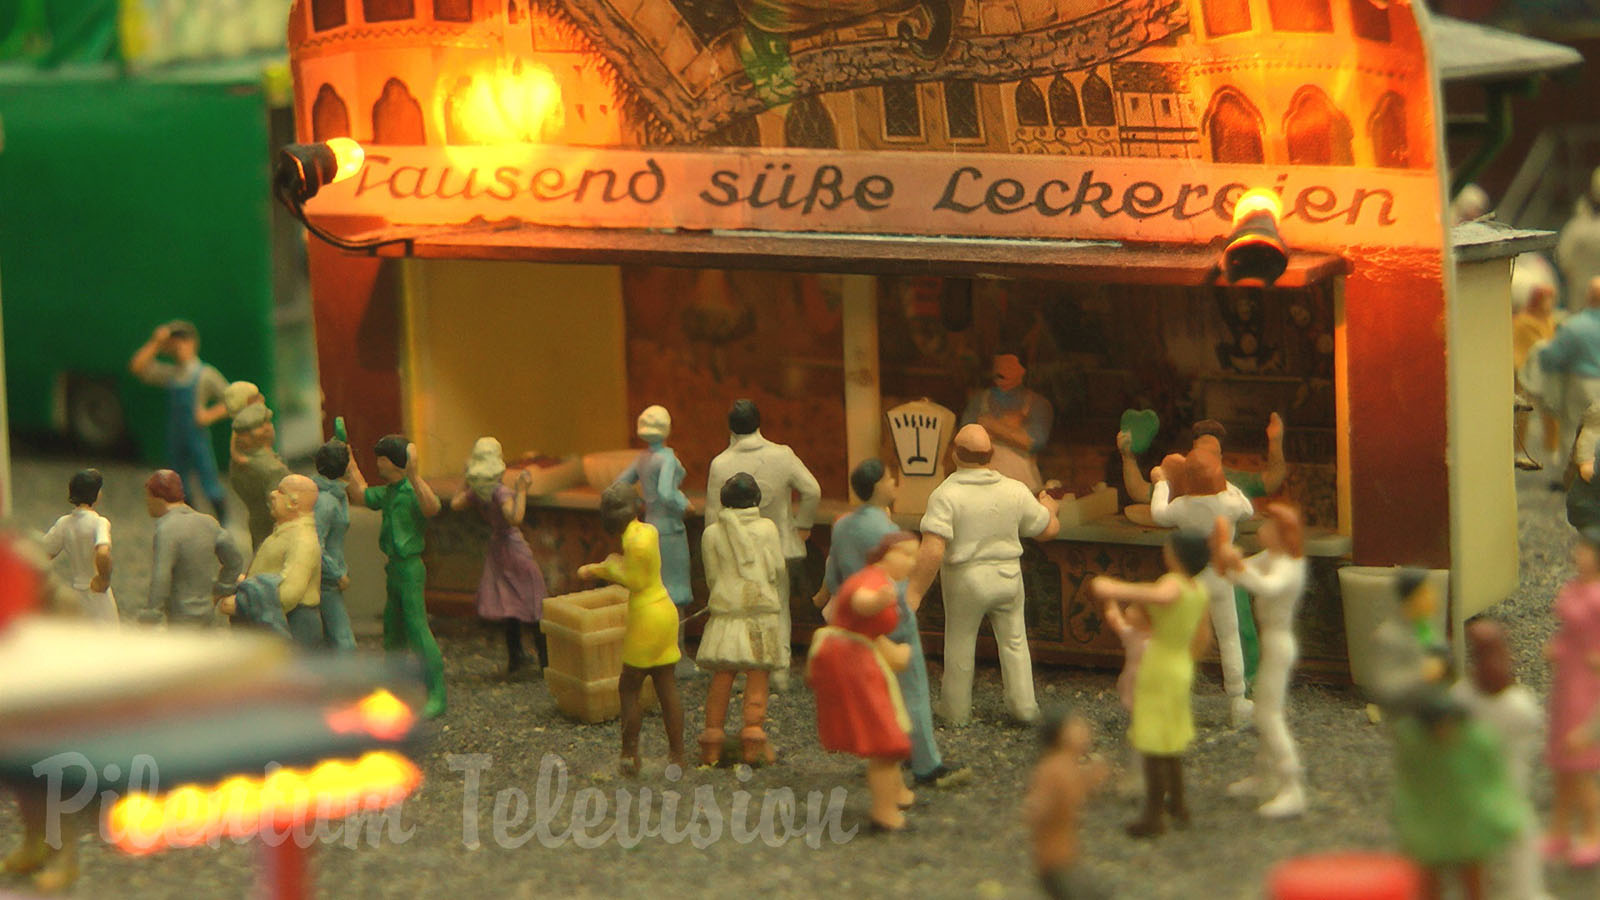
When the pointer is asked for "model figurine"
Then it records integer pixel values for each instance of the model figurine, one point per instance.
(85, 536)
(1018, 421)
(406, 502)
(511, 590)
(1412, 662)
(194, 403)
(255, 469)
(236, 398)
(782, 476)
(1583, 492)
(1254, 485)
(859, 707)
(1454, 804)
(1163, 719)
(195, 559)
(332, 515)
(853, 538)
(293, 553)
(972, 538)
(1574, 655)
(1061, 784)
(1512, 714)
(1206, 495)
(659, 475)
(650, 641)
(1131, 624)
(1276, 578)
(743, 561)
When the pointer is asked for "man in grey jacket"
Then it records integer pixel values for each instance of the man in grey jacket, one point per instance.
(196, 561)
(781, 476)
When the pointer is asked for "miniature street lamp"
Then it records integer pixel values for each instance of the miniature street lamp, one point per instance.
(1255, 252)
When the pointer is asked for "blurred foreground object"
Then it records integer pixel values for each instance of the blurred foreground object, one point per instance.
(1345, 876)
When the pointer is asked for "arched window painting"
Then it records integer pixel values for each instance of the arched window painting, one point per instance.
(1370, 20)
(1064, 111)
(1099, 109)
(902, 110)
(809, 125)
(1301, 15)
(1388, 129)
(1235, 129)
(387, 10)
(1029, 100)
(513, 13)
(1226, 16)
(452, 10)
(329, 117)
(397, 117)
(1318, 133)
(327, 14)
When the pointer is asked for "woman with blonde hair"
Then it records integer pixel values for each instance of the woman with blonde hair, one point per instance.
(512, 588)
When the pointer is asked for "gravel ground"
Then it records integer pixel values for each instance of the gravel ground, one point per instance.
(967, 841)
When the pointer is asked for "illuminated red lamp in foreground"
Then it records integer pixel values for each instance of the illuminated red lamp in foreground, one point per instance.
(1255, 253)
(380, 714)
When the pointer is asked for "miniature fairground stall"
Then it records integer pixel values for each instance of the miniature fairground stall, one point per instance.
(572, 209)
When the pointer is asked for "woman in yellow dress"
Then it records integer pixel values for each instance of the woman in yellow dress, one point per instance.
(1163, 718)
(650, 642)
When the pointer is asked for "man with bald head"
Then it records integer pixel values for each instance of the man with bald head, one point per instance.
(972, 538)
(1573, 356)
(293, 553)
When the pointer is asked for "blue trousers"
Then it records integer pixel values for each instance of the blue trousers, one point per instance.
(189, 450)
(925, 756)
(305, 627)
(336, 631)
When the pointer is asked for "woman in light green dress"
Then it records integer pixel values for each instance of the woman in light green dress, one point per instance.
(1163, 720)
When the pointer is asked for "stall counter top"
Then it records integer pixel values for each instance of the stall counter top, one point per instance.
(1109, 530)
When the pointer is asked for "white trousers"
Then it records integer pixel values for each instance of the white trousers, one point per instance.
(1280, 761)
(972, 591)
(1577, 393)
(101, 606)
(1225, 622)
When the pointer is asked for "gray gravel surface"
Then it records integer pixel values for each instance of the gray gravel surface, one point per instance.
(967, 841)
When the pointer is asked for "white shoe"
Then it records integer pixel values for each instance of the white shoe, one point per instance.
(1248, 786)
(1291, 801)
(1243, 711)
(779, 682)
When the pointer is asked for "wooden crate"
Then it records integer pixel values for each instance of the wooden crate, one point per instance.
(583, 635)
(593, 701)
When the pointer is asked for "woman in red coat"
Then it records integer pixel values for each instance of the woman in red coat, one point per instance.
(851, 669)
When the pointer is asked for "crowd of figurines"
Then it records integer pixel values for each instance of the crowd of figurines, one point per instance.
(1464, 746)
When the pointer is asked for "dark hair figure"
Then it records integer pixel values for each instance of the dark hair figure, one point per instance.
(194, 403)
(650, 640)
(332, 462)
(1060, 786)
(85, 537)
(1163, 717)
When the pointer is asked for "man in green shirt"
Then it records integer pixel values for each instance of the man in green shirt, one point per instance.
(406, 503)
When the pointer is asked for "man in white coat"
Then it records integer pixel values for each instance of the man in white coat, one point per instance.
(972, 538)
(782, 477)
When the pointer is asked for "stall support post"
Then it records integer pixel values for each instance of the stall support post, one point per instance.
(285, 872)
(863, 403)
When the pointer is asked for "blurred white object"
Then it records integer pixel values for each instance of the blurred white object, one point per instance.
(1578, 251)
(1471, 203)
(1529, 270)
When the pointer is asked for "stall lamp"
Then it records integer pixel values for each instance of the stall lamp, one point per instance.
(1255, 252)
(305, 169)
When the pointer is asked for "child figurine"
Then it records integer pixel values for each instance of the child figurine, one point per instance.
(650, 641)
(1276, 577)
(512, 588)
(659, 475)
(194, 403)
(1454, 804)
(85, 536)
(407, 502)
(851, 666)
(1205, 496)
(743, 560)
(1574, 655)
(1163, 720)
(1131, 625)
(1061, 784)
(1512, 713)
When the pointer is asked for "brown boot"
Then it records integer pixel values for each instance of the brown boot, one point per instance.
(753, 737)
(713, 737)
(1175, 805)
(1150, 823)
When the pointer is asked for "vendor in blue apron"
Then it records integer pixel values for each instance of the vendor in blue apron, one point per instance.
(194, 403)
(1018, 421)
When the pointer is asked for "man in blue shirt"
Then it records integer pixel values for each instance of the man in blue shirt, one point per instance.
(1574, 356)
(855, 535)
(333, 520)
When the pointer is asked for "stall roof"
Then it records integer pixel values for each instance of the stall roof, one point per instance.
(1484, 239)
(1467, 51)
(1098, 261)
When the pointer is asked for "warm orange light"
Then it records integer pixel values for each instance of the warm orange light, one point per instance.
(380, 714)
(1255, 253)
(348, 157)
(1256, 201)
(521, 104)
(242, 806)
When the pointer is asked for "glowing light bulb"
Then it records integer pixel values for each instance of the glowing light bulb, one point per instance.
(348, 157)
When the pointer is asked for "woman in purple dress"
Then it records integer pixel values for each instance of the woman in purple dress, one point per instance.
(1574, 655)
(512, 589)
